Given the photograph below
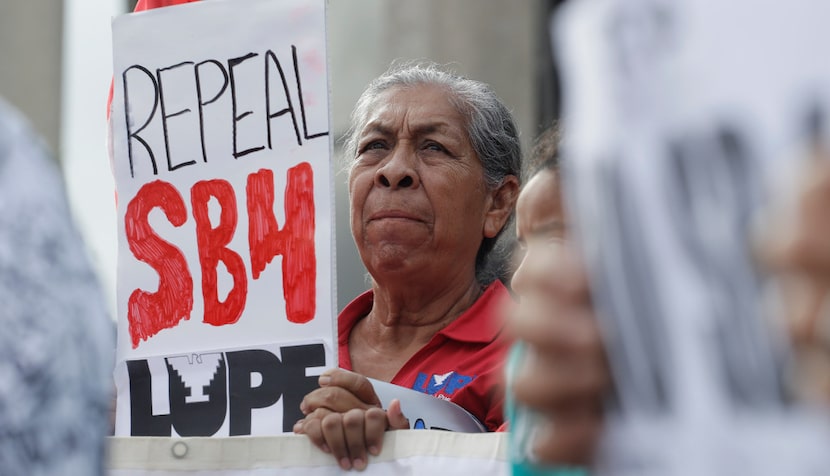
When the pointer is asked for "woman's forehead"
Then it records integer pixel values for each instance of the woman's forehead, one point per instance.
(423, 107)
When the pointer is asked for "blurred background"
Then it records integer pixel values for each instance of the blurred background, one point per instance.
(57, 63)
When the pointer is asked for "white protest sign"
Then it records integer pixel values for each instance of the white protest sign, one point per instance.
(403, 452)
(221, 156)
(681, 119)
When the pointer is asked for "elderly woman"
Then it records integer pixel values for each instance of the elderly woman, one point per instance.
(433, 180)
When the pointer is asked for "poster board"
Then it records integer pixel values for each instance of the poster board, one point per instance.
(222, 163)
(684, 122)
(403, 452)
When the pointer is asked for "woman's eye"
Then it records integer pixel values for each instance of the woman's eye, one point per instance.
(434, 146)
(374, 145)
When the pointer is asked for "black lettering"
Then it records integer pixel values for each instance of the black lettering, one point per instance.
(232, 63)
(716, 194)
(127, 114)
(165, 116)
(286, 379)
(202, 102)
(198, 418)
(302, 100)
(270, 57)
(203, 412)
(201, 418)
(295, 360)
(142, 420)
(244, 398)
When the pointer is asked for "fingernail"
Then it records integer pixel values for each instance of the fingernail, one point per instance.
(374, 450)
(298, 426)
(304, 408)
(324, 380)
(325, 448)
(359, 464)
(345, 463)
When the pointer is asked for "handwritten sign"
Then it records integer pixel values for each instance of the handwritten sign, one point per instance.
(221, 156)
(683, 119)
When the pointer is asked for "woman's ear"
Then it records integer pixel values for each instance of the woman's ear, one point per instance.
(502, 204)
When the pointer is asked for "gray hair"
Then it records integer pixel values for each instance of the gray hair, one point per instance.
(491, 130)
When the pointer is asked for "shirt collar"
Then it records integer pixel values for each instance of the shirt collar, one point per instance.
(484, 320)
(481, 322)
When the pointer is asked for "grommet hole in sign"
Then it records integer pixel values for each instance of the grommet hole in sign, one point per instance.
(179, 449)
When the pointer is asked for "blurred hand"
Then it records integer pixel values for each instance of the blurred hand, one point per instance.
(565, 375)
(344, 417)
(797, 250)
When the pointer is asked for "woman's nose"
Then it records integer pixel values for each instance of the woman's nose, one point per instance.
(398, 171)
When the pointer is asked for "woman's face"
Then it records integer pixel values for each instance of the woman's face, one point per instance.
(418, 196)
(540, 230)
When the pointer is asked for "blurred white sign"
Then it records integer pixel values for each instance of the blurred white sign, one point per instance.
(682, 119)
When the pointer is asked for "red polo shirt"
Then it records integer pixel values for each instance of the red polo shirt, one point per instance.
(463, 363)
(150, 4)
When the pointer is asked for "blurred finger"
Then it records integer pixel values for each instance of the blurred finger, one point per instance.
(547, 384)
(313, 429)
(570, 276)
(803, 250)
(558, 330)
(298, 427)
(397, 420)
(356, 384)
(354, 432)
(797, 238)
(334, 437)
(808, 313)
(376, 424)
(333, 398)
(570, 442)
(806, 305)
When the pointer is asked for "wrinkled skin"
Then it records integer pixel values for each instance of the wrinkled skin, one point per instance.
(344, 418)
(420, 208)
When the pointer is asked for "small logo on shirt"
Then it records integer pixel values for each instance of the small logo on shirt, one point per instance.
(447, 383)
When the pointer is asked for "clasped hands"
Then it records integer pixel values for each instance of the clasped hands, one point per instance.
(345, 418)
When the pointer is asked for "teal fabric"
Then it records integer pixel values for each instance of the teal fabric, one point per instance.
(522, 423)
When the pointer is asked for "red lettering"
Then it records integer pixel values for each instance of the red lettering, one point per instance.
(149, 313)
(295, 242)
(212, 249)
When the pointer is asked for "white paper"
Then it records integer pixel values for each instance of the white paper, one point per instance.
(226, 101)
(682, 118)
